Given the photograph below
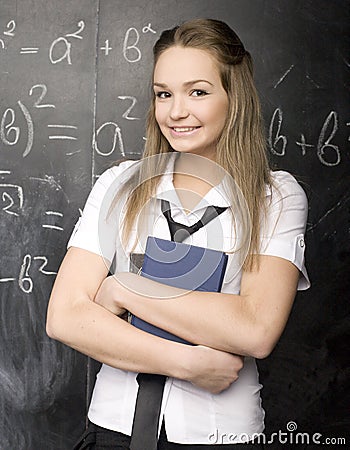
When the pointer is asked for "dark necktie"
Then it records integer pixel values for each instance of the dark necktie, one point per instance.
(178, 231)
(150, 393)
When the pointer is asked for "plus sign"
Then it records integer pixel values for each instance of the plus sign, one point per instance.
(106, 48)
(303, 145)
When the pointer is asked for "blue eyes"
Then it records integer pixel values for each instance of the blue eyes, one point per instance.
(195, 93)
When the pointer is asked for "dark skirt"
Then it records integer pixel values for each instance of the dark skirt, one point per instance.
(97, 438)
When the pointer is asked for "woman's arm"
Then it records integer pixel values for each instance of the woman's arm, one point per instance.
(246, 324)
(76, 320)
(249, 323)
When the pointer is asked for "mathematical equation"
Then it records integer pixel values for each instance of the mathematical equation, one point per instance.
(108, 137)
(25, 279)
(60, 48)
(12, 197)
(117, 143)
(328, 153)
(12, 203)
(131, 49)
(11, 131)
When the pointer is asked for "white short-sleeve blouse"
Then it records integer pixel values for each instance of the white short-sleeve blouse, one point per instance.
(191, 415)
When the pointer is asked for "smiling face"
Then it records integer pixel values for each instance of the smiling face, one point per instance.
(191, 105)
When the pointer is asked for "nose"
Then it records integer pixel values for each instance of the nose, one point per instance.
(178, 108)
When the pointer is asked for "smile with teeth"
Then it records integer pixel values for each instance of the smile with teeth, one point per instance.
(184, 129)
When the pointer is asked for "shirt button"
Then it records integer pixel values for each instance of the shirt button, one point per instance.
(301, 242)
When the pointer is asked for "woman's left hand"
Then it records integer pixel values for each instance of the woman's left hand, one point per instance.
(107, 294)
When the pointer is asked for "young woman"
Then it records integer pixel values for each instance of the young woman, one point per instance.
(205, 145)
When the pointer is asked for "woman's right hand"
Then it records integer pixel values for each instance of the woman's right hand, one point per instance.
(106, 294)
(214, 370)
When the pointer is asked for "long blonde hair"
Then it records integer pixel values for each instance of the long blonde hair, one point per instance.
(241, 150)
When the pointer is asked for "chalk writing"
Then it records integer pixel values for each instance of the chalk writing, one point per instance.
(11, 25)
(328, 153)
(73, 153)
(117, 140)
(53, 227)
(12, 194)
(76, 34)
(50, 180)
(324, 144)
(30, 127)
(9, 134)
(66, 45)
(312, 81)
(38, 103)
(44, 264)
(25, 281)
(148, 28)
(130, 50)
(29, 50)
(66, 54)
(133, 103)
(5, 280)
(106, 48)
(7, 197)
(304, 146)
(63, 137)
(275, 139)
(54, 184)
(283, 76)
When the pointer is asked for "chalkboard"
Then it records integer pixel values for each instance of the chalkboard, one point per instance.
(74, 90)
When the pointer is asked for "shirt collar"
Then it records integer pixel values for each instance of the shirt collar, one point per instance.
(165, 190)
(217, 196)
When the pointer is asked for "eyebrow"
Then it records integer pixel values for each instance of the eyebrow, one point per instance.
(186, 83)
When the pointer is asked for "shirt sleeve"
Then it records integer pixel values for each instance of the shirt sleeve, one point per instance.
(285, 223)
(96, 230)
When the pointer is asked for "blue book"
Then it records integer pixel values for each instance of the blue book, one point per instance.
(184, 266)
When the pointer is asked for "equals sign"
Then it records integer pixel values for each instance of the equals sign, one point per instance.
(29, 50)
(53, 227)
(61, 136)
